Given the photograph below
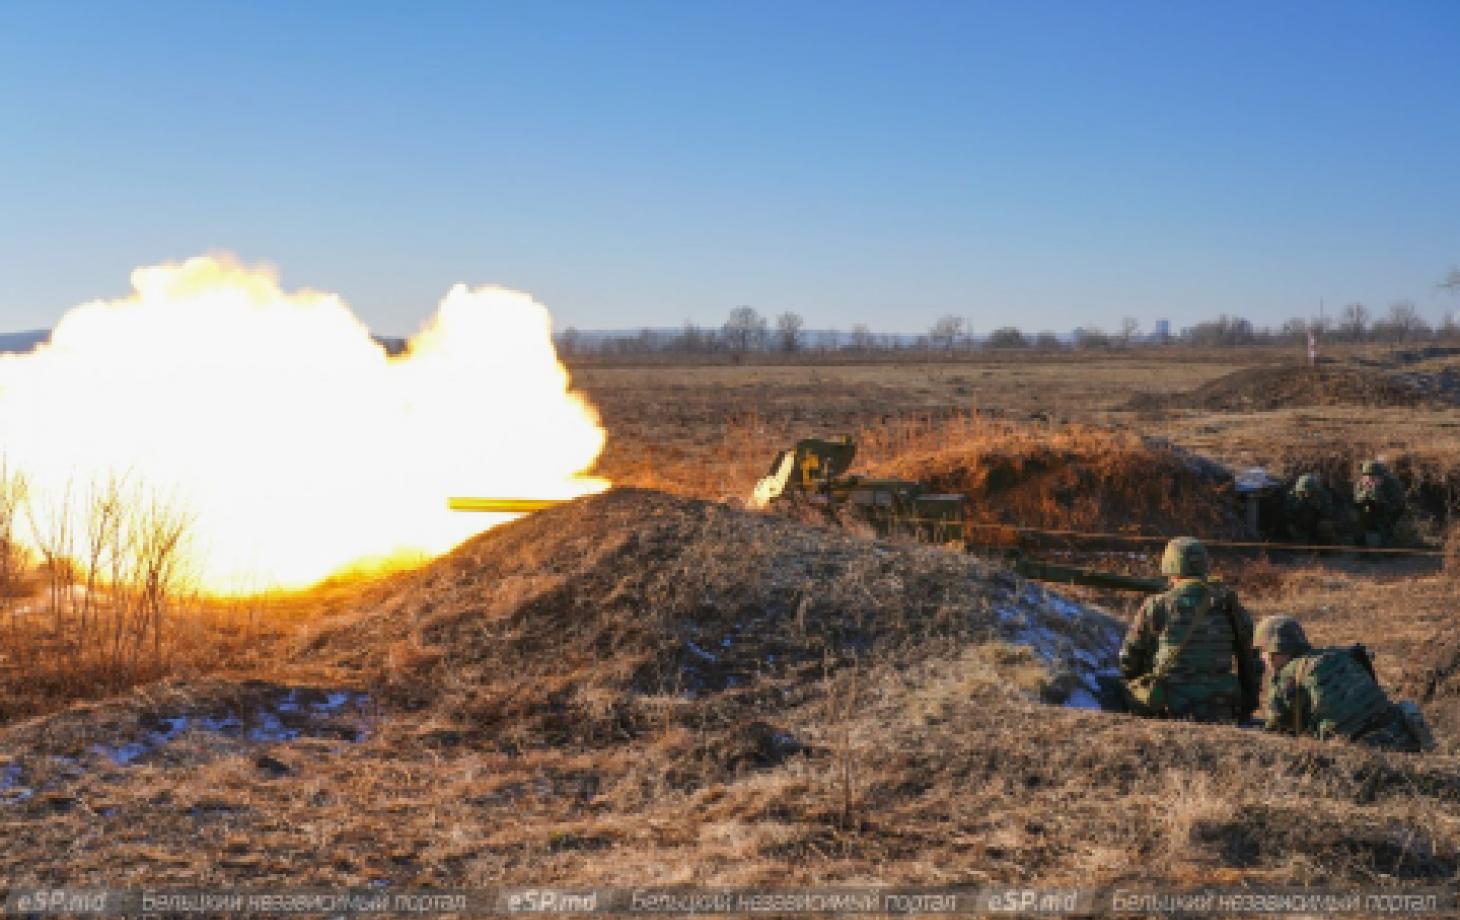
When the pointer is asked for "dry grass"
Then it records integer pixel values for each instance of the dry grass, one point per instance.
(546, 709)
(538, 713)
(1074, 477)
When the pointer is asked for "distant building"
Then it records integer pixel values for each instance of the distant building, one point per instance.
(1163, 330)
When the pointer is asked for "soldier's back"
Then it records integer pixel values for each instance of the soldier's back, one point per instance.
(1343, 700)
(1196, 643)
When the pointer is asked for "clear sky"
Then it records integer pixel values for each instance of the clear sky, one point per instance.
(1042, 164)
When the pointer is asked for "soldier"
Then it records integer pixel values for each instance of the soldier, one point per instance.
(1177, 659)
(1331, 693)
(1308, 510)
(1379, 496)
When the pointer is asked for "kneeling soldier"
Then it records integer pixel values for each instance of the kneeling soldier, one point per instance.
(1331, 693)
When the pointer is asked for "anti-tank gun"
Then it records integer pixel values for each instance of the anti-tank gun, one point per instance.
(812, 477)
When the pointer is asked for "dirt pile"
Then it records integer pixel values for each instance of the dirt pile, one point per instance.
(1259, 389)
(599, 621)
(1082, 479)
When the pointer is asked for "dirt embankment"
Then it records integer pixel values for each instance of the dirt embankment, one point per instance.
(596, 622)
(1079, 478)
(1258, 389)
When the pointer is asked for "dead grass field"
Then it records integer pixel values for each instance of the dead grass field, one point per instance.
(712, 430)
(657, 689)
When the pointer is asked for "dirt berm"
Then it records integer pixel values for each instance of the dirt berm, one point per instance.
(1258, 389)
(634, 689)
(592, 623)
(1080, 478)
(1263, 389)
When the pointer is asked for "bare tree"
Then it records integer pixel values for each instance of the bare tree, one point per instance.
(1091, 337)
(1449, 329)
(946, 332)
(1007, 337)
(862, 338)
(12, 560)
(1224, 331)
(1353, 323)
(1295, 330)
(694, 339)
(52, 528)
(1451, 282)
(159, 531)
(788, 331)
(1404, 322)
(745, 329)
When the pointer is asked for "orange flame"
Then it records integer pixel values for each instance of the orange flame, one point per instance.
(273, 419)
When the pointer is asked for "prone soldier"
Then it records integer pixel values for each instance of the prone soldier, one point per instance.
(1331, 693)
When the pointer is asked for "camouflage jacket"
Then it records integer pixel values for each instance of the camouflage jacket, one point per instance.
(1328, 693)
(1198, 666)
(1317, 502)
(1382, 490)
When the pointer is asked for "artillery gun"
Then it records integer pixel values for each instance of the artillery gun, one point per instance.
(812, 476)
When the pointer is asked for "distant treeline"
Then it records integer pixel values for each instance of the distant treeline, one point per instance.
(747, 331)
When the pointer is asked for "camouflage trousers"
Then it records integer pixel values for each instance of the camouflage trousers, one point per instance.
(1204, 701)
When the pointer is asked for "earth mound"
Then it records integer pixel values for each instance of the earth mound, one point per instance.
(1080, 479)
(597, 621)
(1259, 389)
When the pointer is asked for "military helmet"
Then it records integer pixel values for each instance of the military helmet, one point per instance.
(1282, 635)
(1184, 556)
(1308, 482)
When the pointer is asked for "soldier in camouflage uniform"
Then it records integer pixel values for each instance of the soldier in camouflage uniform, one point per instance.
(1308, 511)
(1177, 660)
(1379, 496)
(1330, 693)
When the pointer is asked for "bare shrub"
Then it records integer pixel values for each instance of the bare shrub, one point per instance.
(12, 556)
(1197, 817)
(114, 585)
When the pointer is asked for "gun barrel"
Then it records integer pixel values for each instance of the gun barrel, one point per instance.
(1069, 575)
(503, 505)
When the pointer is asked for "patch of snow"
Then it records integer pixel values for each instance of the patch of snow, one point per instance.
(125, 754)
(265, 725)
(1010, 615)
(270, 729)
(176, 725)
(1082, 699)
(699, 652)
(228, 725)
(11, 790)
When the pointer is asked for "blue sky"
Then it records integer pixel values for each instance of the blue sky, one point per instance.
(1042, 164)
